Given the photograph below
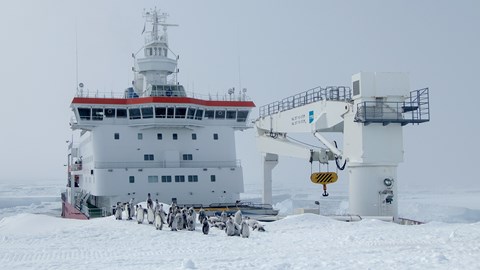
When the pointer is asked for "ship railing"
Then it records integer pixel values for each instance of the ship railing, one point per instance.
(169, 164)
(331, 93)
(195, 95)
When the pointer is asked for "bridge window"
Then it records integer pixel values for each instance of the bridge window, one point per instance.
(231, 114)
(140, 136)
(194, 136)
(147, 112)
(109, 112)
(215, 136)
(116, 136)
(209, 114)
(121, 113)
(131, 179)
(191, 113)
(97, 114)
(160, 112)
(242, 116)
(220, 114)
(170, 112)
(213, 178)
(180, 112)
(159, 136)
(84, 113)
(199, 114)
(175, 136)
(134, 113)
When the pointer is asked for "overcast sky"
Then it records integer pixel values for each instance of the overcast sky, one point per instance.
(273, 48)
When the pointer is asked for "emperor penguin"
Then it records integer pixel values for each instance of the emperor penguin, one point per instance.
(205, 226)
(140, 214)
(201, 215)
(245, 230)
(224, 216)
(190, 223)
(238, 217)
(158, 221)
(230, 227)
(118, 212)
(127, 210)
(175, 221)
(150, 215)
(193, 213)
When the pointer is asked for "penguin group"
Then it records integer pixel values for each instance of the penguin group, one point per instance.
(183, 218)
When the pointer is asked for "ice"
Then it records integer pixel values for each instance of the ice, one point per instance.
(29, 240)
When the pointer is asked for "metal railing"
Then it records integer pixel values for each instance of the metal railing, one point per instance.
(334, 93)
(212, 97)
(169, 164)
(414, 110)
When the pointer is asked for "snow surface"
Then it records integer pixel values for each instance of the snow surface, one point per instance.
(451, 240)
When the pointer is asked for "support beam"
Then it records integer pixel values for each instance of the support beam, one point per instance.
(269, 162)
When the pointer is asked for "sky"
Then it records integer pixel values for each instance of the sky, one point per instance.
(273, 48)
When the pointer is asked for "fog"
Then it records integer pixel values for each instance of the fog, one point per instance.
(273, 48)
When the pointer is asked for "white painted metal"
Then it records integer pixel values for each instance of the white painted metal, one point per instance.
(269, 162)
(124, 157)
(373, 151)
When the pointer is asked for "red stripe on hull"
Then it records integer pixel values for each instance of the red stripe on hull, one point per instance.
(177, 100)
(69, 211)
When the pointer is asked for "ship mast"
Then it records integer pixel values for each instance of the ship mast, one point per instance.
(154, 69)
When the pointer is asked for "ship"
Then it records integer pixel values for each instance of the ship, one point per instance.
(154, 138)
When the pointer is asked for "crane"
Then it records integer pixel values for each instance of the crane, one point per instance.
(370, 114)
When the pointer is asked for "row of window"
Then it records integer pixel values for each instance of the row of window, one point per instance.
(116, 136)
(168, 178)
(161, 112)
(151, 157)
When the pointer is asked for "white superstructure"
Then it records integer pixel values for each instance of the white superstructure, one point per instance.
(371, 119)
(155, 137)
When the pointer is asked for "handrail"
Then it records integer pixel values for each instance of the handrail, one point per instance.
(213, 97)
(333, 93)
(414, 110)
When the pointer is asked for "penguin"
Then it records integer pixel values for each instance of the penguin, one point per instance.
(190, 223)
(140, 214)
(149, 201)
(238, 217)
(244, 230)
(162, 214)
(127, 210)
(150, 215)
(255, 224)
(205, 226)
(193, 213)
(132, 209)
(158, 221)
(175, 222)
(170, 218)
(224, 216)
(118, 212)
(230, 227)
(184, 218)
(201, 215)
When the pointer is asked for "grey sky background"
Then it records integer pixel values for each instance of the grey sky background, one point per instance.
(273, 48)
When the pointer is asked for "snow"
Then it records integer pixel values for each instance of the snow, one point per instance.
(450, 240)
